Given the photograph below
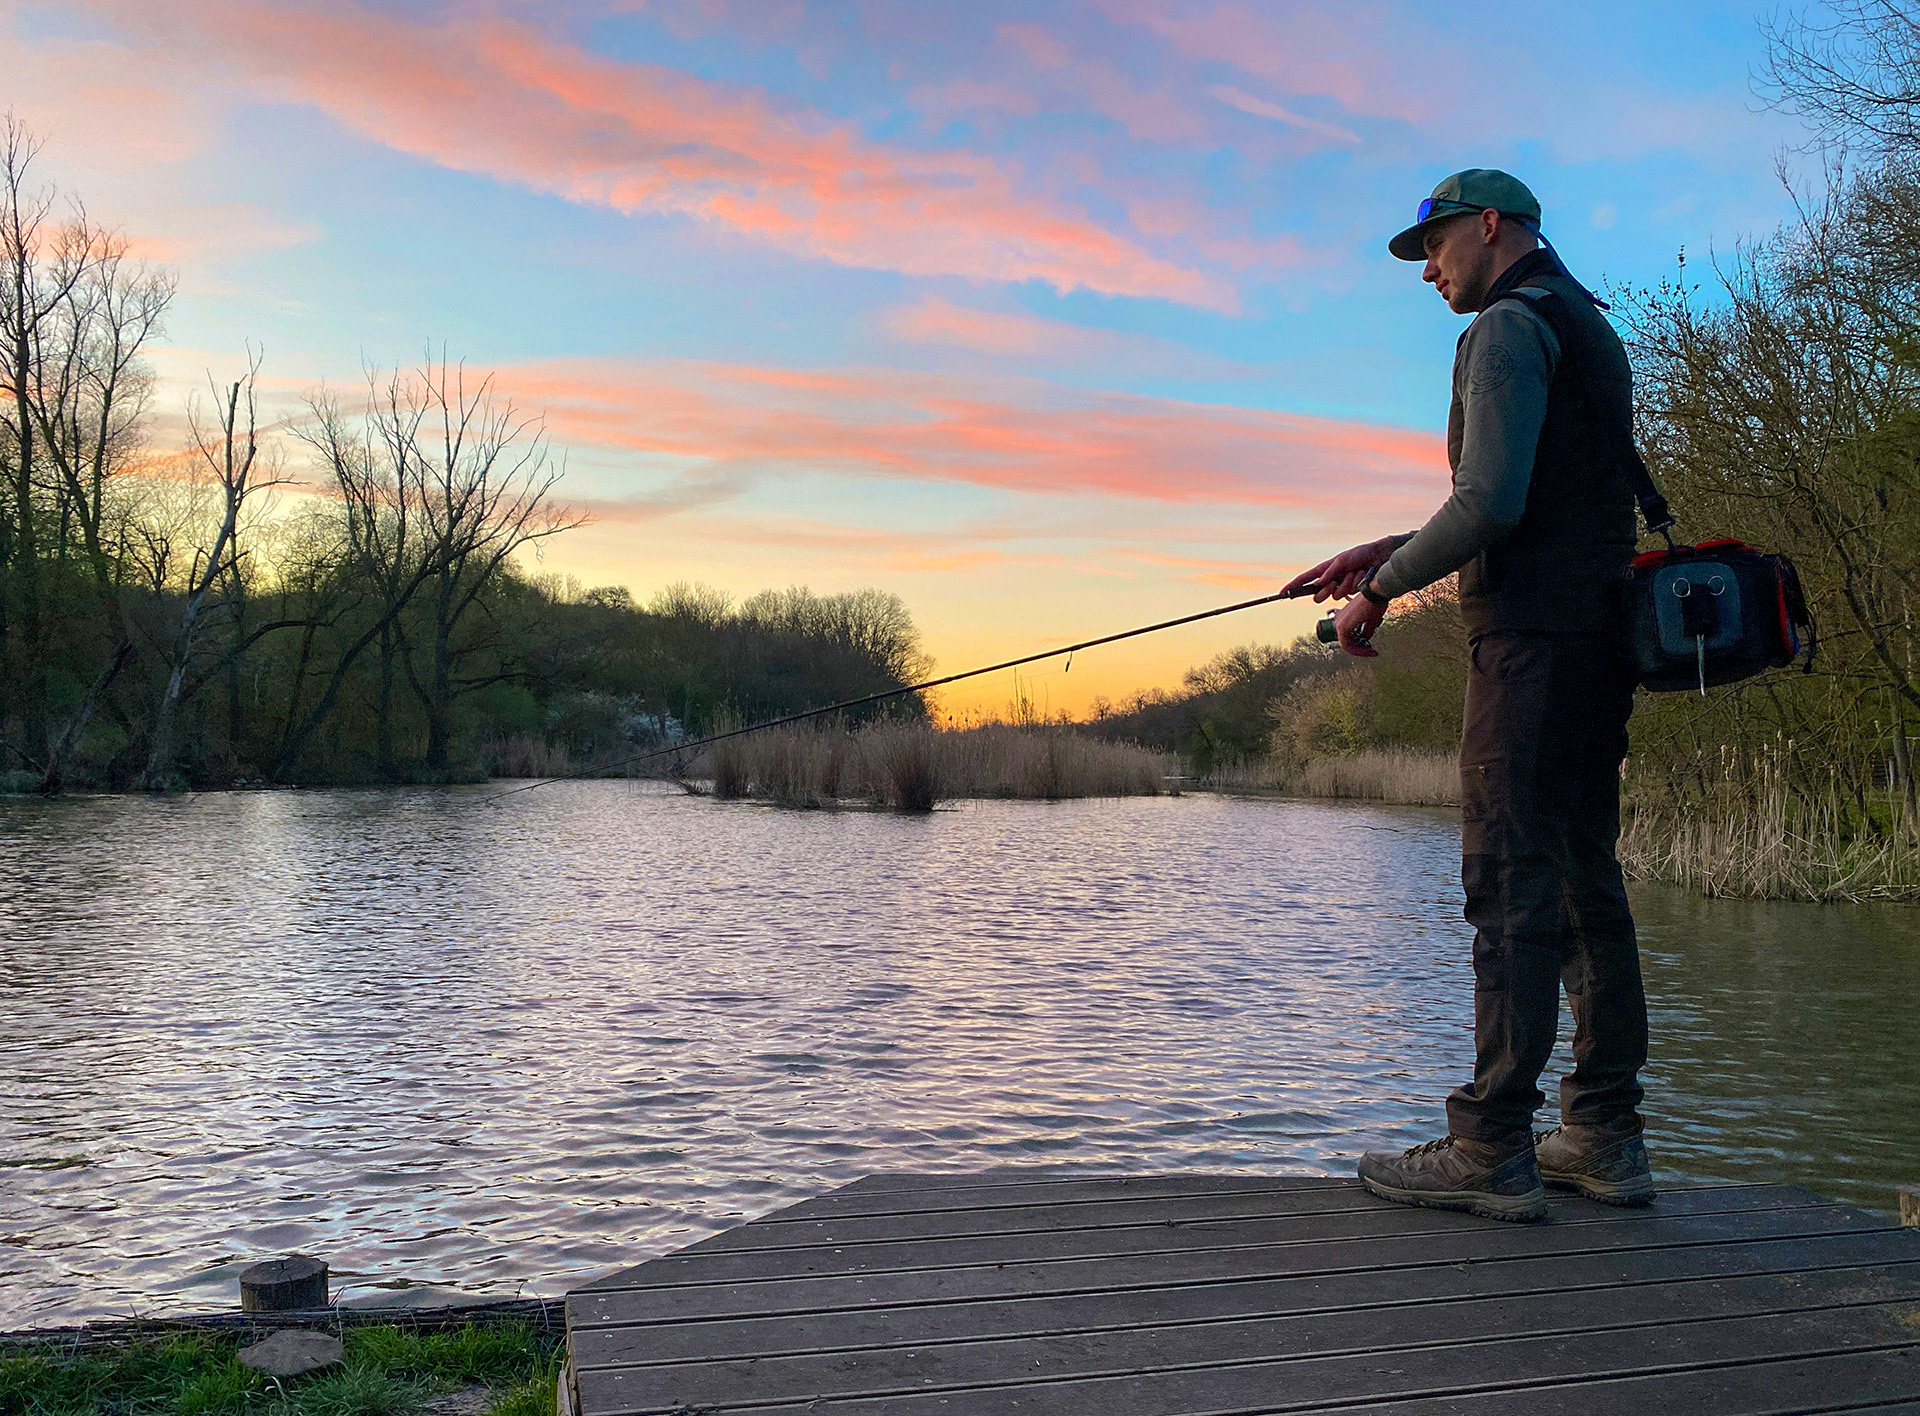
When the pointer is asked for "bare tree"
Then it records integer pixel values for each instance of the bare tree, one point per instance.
(75, 314)
(441, 484)
(30, 293)
(378, 476)
(1854, 73)
(486, 485)
(232, 455)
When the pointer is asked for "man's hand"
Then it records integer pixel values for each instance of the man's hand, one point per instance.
(1357, 620)
(1340, 577)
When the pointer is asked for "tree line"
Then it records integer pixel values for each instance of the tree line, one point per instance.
(201, 615)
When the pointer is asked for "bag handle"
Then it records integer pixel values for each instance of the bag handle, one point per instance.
(1653, 503)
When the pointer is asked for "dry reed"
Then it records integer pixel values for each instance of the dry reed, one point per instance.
(911, 766)
(526, 755)
(1407, 778)
(1746, 827)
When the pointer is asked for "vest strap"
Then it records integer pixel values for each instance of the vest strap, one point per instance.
(1653, 503)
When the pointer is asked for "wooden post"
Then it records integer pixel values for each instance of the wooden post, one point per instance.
(284, 1285)
(1910, 1206)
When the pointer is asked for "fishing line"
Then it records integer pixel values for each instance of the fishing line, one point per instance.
(1068, 650)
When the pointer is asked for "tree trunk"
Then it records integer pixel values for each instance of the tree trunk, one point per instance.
(383, 717)
(33, 694)
(236, 710)
(440, 700)
(55, 777)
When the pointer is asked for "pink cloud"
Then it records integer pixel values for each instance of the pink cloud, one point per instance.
(1042, 48)
(999, 333)
(1327, 52)
(500, 99)
(208, 235)
(1014, 335)
(1261, 108)
(101, 106)
(716, 424)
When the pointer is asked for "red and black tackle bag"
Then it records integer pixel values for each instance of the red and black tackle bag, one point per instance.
(1713, 613)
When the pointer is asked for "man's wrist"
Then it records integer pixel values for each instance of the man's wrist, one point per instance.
(1373, 595)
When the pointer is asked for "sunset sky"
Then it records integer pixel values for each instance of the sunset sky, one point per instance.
(1053, 318)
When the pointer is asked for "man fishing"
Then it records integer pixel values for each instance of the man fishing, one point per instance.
(1540, 526)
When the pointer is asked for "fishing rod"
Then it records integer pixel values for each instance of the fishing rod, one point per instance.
(1068, 649)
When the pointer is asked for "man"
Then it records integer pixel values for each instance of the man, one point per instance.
(1540, 526)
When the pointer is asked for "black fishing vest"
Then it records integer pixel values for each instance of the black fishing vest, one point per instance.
(1562, 567)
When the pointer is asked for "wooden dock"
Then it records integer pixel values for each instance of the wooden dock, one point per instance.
(1034, 1291)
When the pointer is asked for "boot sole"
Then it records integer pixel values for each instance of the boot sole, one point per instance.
(1637, 1191)
(1515, 1209)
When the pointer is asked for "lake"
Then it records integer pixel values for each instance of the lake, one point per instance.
(509, 1046)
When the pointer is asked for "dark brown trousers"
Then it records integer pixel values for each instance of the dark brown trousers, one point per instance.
(1546, 732)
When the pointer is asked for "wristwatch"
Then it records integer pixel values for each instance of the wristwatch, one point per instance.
(1373, 596)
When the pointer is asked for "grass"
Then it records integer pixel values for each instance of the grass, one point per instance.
(389, 1371)
(911, 766)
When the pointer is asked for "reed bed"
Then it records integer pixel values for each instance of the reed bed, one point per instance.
(1406, 778)
(912, 766)
(1752, 826)
(526, 755)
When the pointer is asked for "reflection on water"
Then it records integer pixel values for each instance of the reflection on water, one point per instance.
(421, 1035)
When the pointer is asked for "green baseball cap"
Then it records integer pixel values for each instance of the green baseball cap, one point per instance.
(1476, 189)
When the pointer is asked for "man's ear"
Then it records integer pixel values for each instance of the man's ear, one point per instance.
(1489, 227)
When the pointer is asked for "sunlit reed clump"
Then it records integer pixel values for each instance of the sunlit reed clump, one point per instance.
(1400, 776)
(1385, 774)
(911, 766)
(1764, 826)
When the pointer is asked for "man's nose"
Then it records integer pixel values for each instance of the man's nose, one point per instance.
(1432, 273)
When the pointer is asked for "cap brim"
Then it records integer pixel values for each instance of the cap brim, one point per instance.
(1410, 245)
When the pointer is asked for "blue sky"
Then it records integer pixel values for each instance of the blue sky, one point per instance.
(1050, 317)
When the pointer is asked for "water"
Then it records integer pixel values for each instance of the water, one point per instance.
(512, 1047)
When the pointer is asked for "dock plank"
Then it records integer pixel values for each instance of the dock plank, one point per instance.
(1049, 1291)
(1352, 1215)
(1550, 1276)
(1458, 1244)
(941, 1362)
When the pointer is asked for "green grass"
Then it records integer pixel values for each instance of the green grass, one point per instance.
(389, 1371)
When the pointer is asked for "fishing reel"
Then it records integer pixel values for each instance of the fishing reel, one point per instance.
(1327, 634)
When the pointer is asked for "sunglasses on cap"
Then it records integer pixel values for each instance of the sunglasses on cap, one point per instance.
(1443, 205)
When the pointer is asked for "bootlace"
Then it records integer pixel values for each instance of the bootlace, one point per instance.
(1433, 1147)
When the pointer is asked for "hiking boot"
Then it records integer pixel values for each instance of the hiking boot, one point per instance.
(1500, 1182)
(1614, 1171)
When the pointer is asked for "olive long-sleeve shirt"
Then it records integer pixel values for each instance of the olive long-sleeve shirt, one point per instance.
(1501, 369)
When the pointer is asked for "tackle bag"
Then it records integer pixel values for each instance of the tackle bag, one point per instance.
(1714, 613)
